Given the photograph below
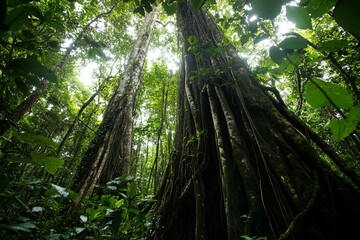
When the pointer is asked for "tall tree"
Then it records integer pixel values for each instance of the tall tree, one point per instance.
(109, 153)
(239, 167)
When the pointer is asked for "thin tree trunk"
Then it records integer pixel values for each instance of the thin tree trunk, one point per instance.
(109, 154)
(159, 132)
(249, 171)
(87, 103)
(136, 156)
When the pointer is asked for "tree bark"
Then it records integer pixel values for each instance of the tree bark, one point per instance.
(239, 167)
(109, 153)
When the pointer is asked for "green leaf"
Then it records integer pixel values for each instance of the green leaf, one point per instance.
(17, 18)
(79, 229)
(119, 203)
(33, 80)
(197, 4)
(54, 43)
(192, 40)
(293, 43)
(61, 190)
(30, 66)
(276, 54)
(15, 3)
(170, 8)
(244, 39)
(332, 45)
(342, 128)
(260, 38)
(304, 2)
(25, 227)
(133, 190)
(148, 7)
(317, 8)
(140, 10)
(51, 164)
(84, 218)
(266, 9)
(111, 187)
(21, 86)
(346, 14)
(300, 16)
(252, 26)
(95, 213)
(37, 209)
(35, 11)
(296, 58)
(28, 35)
(34, 139)
(52, 193)
(316, 98)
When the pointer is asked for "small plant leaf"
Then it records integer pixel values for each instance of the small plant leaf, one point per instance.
(293, 43)
(342, 128)
(197, 4)
(51, 164)
(34, 139)
(140, 10)
(30, 66)
(346, 14)
(25, 227)
(296, 58)
(267, 9)
(276, 54)
(300, 16)
(192, 40)
(83, 218)
(316, 98)
(333, 45)
(260, 38)
(61, 190)
(317, 8)
(170, 8)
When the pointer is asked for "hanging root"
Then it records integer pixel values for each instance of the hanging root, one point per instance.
(309, 206)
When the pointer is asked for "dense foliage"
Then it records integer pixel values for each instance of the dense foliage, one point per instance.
(306, 52)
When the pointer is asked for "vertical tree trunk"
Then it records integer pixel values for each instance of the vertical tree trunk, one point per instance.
(71, 128)
(239, 167)
(154, 171)
(109, 153)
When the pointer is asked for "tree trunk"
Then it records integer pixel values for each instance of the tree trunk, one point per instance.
(72, 126)
(154, 171)
(238, 166)
(109, 153)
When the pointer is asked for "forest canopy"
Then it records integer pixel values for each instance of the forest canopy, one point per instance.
(203, 119)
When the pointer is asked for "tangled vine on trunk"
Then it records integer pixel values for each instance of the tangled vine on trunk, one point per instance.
(239, 167)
